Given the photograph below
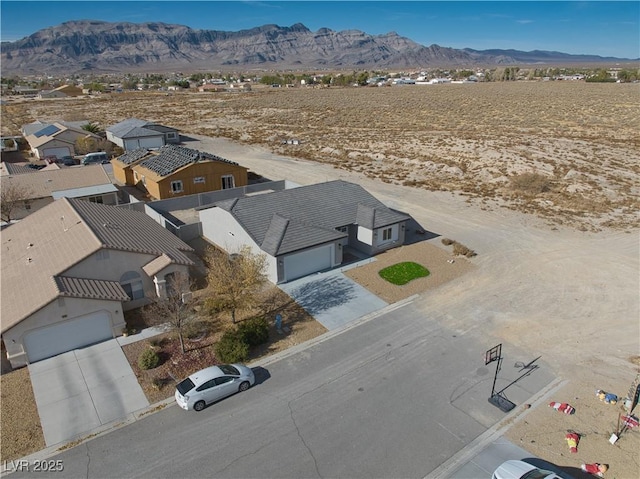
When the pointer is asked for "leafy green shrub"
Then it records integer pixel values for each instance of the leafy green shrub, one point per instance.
(254, 331)
(232, 348)
(148, 359)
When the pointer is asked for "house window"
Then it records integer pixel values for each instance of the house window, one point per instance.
(198, 179)
(342, 229)
(136, 178)
(176, 186)
(171, 136)
(95, 199)
(27, 205)
(132, 285)
(387, 234)
(227, 182)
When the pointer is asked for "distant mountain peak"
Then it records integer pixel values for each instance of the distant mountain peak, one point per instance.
(95, 45)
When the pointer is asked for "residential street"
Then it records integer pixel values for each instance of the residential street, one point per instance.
(395, 396)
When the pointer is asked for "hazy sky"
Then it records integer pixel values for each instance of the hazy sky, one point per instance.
(606, 28)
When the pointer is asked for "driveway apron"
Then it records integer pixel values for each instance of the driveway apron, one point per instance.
(332, 298)
(79, 391)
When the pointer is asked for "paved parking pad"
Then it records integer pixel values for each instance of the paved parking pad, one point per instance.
(332, 298)
(84, 389)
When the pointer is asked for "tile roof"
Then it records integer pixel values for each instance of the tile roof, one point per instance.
(90, 288)
(170, 158)
(132, 156)
(43, 183)
(38, 250)
(290, 220)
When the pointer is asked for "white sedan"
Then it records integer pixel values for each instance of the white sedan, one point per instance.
(212, 384)
(522, 470)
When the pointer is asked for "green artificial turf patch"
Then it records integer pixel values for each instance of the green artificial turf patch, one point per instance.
(402, 273)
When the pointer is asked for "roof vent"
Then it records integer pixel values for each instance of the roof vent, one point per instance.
(29, 260)
(29, 245)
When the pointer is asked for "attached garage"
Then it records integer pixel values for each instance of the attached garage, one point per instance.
(308, 262)
(75, 333)
(150, 142)
(57, 152)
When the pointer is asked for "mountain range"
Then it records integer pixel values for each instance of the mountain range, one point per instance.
(98, 46)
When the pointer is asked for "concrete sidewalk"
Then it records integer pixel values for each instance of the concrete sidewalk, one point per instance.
(79, 391)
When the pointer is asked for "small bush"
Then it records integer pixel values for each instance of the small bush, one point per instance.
(148, 359)
(447, 241)
(462, 250)
(232, 348)
(254, 331)
(531, 183)
(215, 305)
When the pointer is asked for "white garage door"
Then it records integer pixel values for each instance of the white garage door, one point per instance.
(153, 142)
(58, 152)
(307, 262)
(59, 338)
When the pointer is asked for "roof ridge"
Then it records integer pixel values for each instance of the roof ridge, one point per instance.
(71, 202)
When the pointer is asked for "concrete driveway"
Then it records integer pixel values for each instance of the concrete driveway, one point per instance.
(332, 298)
(79, 391)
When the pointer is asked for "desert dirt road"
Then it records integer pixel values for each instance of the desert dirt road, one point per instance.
(568, 296)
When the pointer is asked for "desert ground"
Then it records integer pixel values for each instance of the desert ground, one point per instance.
(540, 179)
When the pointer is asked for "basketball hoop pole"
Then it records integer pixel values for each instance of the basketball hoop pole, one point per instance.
(494, 354)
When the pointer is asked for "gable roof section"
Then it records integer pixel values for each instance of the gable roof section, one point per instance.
(290, 220)
(44, 183)
(170, 158)
(133, 156)
(50, 131)
(90, 288)
(136, 128)
(38, 250)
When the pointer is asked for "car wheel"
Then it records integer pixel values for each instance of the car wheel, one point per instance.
(199, 406)
(244, 385)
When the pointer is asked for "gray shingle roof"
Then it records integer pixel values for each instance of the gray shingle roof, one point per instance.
(290, 220)
(170, 158)
(135, 128)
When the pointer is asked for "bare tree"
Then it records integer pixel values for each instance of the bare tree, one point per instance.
(236, 279)
(11, 195)
(176, 309)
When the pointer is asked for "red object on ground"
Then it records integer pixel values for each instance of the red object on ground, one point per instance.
(630, 421)
(562, 407)
(572, 440)
(595, 469)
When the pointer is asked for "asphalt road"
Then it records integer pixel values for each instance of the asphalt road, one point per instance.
(395, 396)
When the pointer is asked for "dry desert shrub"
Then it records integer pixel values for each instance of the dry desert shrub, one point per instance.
(531, 183)
(479, 139)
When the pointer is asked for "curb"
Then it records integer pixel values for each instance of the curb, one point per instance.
(467, 453)
(169, 402)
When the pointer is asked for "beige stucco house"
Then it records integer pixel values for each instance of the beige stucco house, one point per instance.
(70, 270)
(56, 139)
(41, 187)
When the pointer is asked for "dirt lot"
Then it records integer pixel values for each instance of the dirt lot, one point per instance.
(580, 141)
(557, 271)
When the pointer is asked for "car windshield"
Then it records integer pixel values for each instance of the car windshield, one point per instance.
(537, 474)
(185, 386)
(228, 369)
